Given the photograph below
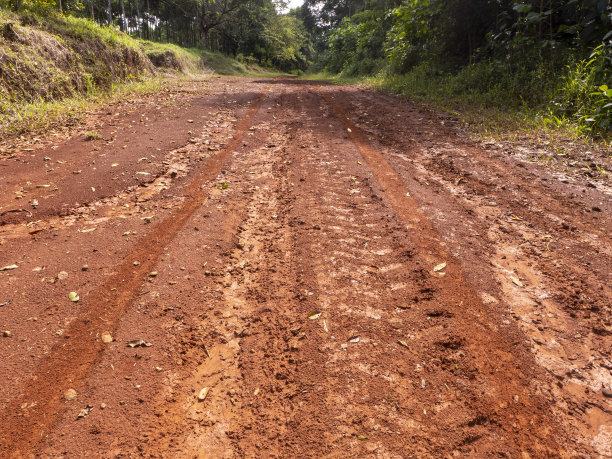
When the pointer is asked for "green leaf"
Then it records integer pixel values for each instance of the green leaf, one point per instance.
(522, 8)
(73, 296)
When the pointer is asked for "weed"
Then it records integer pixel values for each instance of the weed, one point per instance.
(92, 135)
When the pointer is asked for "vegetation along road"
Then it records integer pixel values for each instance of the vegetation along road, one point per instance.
(274, 267)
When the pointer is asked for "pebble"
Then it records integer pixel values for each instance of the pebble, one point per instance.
(106, 338)
(607, 392)
(102, 406)
(6, 333)
(153, 274)
(70, 394)
(84, 268)
(203, 393)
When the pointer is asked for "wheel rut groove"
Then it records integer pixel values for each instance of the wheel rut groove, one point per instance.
(25, 420)
(334, 268)
(495, 360)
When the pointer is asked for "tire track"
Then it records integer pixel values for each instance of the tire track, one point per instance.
(527, 420)
(26, 420)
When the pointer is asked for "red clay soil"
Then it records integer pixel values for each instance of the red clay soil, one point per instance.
(284, 268)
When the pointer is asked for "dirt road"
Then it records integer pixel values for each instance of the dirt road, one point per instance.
(344, 273)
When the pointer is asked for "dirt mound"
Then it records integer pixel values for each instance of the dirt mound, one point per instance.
(61, 58)
(165, 59)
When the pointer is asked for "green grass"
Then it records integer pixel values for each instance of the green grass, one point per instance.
(186, 60)
(40, 116)
(487, 115)
(85, 29)
(335, 78)
(196, 60)
(226, 65)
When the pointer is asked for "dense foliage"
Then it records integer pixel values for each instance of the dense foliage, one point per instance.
(549, 53)
(248, 29)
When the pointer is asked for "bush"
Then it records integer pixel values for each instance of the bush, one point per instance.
(585, 97)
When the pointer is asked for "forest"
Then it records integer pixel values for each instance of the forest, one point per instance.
(551, 55)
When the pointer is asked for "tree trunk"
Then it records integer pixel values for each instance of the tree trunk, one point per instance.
(123, 28)
(110, 13)
(59, 4)
(149, 36)
(91, 5)
(138, 20)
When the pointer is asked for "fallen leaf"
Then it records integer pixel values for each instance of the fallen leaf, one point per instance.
(73, 296)
(203, 393)
(354, 339)
(325, 327)
(314, 315)
(88, 230)
(439, 267)
(114, 164)
(403, 343)
(9, 267)
(143, 173)
(85, 411)
(361, 437)
(516, 281)
(138, 343)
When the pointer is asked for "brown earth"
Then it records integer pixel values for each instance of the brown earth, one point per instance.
(345, 273)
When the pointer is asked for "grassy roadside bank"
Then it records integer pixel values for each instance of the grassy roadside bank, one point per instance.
(508, 127)
(54, 69)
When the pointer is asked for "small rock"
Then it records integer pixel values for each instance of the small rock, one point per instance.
(102, 406)
(6, 333)
(136, 263)
(84, 268)
(85, 411)
(153, 274)
(106, 338)
(203, 393)
(62, 275)
(70, 394)
(607, 392)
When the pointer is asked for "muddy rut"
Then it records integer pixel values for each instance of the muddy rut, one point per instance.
(342, 273)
